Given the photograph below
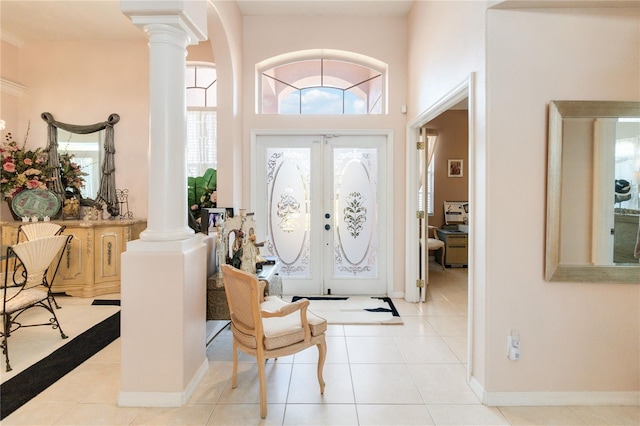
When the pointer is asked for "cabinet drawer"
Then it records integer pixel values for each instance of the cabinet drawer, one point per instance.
(456, 255)
(456, 240)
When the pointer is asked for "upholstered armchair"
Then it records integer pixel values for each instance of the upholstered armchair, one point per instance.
(434, 243)
(269, 327)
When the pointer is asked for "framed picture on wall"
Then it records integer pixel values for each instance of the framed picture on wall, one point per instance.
(454, 168)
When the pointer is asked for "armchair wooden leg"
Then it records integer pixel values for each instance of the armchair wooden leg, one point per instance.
(442, 259)
(322, 354)
(234, 373)
(263, 388)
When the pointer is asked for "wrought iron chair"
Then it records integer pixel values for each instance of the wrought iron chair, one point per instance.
(28, 284)
(34, 230)
(269, 327)
(435, 243)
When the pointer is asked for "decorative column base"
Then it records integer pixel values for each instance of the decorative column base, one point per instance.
(163, 331)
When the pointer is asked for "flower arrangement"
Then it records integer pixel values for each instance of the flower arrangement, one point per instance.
(71, 173)
(22, 168)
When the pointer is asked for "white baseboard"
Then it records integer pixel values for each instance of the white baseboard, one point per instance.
(163, 399)
(562, 399)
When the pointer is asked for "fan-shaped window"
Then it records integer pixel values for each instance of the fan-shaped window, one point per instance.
(201, 118)
(322, 86)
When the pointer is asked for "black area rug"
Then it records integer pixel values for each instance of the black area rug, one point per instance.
(23, 387)
(103, 302)
(392, 307)
(296, 298)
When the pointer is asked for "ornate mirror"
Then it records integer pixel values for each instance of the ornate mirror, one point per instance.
(95, 144)
(593, 196)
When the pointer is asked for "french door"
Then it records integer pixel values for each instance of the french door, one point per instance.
(319, 201)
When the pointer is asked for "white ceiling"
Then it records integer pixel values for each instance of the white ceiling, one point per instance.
(23, 20)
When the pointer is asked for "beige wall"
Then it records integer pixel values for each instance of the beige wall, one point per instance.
(435, 69)
(575, 336)
(83, 83)
(12, 89)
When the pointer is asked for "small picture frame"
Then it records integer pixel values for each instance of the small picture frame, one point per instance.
(211, 218)
(454, 168)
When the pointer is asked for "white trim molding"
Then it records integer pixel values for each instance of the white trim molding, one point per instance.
(11, 38)
(552, 398)
(163, 399)
(11, 88)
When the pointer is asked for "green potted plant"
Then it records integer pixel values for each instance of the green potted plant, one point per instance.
(201, 193)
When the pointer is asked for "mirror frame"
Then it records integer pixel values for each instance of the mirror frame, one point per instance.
(107, 192)
(554, 270)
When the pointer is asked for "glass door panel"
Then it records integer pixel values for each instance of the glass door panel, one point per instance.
(321, 212)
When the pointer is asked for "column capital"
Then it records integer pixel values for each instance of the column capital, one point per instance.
(188, 16)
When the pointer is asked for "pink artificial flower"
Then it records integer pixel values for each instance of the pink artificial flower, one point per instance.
(28, 161)
(33, 184)
(9, 167)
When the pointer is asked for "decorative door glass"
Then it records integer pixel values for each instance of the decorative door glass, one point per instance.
(355, 242)
(288, 204)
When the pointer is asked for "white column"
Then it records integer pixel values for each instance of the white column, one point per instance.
(167, 199)
(163, 274)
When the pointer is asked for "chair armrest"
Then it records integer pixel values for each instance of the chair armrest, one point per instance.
(300, 305)
(287, 309)
(262, 284)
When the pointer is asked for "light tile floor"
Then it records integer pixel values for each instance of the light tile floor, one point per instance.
(411, 374)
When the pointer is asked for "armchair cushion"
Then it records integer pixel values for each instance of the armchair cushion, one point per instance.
(284, 331)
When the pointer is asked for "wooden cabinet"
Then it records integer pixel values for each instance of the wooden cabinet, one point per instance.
(456, 247)
(90, 265)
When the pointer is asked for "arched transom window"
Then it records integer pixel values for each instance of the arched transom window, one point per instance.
(322, 86)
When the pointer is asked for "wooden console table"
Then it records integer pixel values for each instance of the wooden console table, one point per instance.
(217, 307)
(90, 265)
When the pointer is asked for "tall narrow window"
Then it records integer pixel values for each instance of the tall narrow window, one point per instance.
(322, 86)
(201, 86)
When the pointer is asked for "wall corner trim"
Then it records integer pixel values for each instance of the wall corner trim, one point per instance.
(11, 88)
(560, 399)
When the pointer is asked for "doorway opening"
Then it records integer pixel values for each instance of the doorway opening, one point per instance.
(417, 260)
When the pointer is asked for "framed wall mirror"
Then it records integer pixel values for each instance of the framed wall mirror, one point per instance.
(593, 195)
(94, 149)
